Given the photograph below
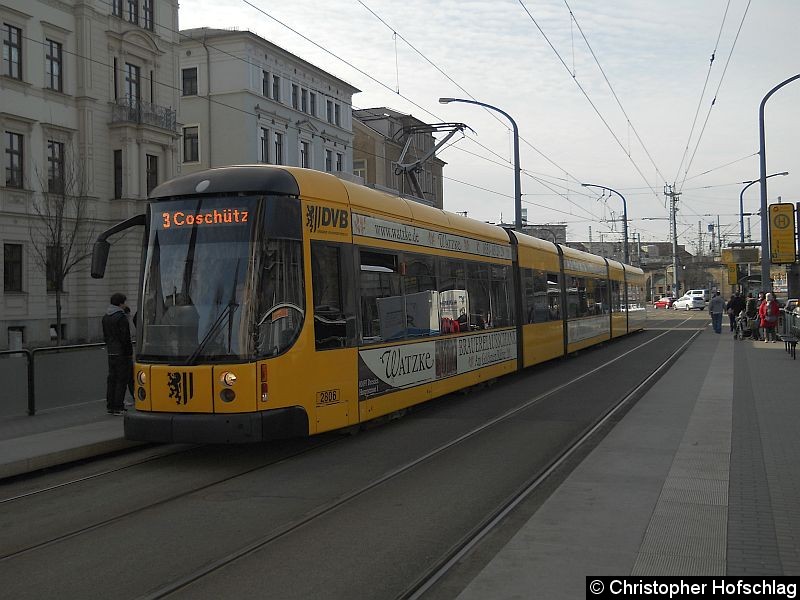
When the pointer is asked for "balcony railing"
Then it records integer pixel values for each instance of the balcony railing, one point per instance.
(131, 110)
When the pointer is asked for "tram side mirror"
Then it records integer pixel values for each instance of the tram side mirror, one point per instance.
(100, 252)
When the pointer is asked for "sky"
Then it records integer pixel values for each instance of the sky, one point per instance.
(619, 93)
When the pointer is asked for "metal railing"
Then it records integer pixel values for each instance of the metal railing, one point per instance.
(791, 323)
(30, 360)
(132, 110)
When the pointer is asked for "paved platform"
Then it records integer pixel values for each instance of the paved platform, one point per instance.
(701, 477)
(58, 436)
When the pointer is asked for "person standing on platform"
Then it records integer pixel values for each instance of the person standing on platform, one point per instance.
(751, 310)
(769, 312)
(715, 308)
(117, 336)
(735, 306)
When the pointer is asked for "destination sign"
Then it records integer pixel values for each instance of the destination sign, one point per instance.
(225, 216)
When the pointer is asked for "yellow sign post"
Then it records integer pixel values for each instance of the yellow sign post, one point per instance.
(782, 242)
(733, 274)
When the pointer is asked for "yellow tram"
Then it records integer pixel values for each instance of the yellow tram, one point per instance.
(279, 302)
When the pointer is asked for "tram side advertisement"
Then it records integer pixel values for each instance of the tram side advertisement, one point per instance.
(391, 368)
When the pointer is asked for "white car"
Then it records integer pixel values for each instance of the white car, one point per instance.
(688, 302)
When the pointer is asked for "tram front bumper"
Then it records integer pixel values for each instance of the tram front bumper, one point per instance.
(238, 428)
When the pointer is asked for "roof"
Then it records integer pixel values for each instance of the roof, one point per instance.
(200, 34)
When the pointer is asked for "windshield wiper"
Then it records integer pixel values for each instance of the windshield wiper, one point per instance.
(227, 311)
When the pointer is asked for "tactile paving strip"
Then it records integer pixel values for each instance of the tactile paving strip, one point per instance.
(687, 533)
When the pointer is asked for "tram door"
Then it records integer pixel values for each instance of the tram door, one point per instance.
(335, 360)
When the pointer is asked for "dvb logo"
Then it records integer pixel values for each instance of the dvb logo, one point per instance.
(322, 216)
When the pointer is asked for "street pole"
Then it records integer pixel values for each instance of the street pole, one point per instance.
(741, 202)
(517, 178)
(766, 284)
(673, 196)
(625, 254)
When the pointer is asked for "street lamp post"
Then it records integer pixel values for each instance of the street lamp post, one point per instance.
(626, 258)
(762, 154)
(517, 187)
(741, 202)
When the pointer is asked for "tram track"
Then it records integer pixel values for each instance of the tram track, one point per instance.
(127, 514)
(445, 564)
(442, 565)
(284, 530)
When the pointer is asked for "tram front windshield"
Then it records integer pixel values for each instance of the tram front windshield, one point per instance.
(209, 274)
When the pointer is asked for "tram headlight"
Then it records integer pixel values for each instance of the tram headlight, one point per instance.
(227, 378)
(141, 378)
(227, 395)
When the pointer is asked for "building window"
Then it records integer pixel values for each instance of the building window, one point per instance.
(116, 8)
(295, 101)
(55, 167)
(265, 84)
(304, 158)
(149, 13)
(276, 88)
(304, 100)
(12, 267)
(337, 115)
(264, 145)
(117, 173)
(278, 148)
(189, 81)
(313, 104)
(328, 161)
(133, 11)
(330, 111)
(152, 172)
(132, 83)
(53, 65)
(360, 169)
(53, 330)
(339, 160)
(16, 337)
(191, 144)
(14, 157)
(53, 268)
(12, 51)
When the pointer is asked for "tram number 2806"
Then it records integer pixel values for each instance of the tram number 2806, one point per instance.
(328, 397)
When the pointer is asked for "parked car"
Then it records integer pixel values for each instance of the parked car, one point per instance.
(688, 302)
(665, 302)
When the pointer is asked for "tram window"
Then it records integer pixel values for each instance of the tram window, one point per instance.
(577, 306)
(420, 295)
(541, 307)
(501, 302)
(334, 317)
(478, 291)
(453, 299)
(601, 303)
(553, 296)
(528, 296)
(382, 302)
(615, 298)
(419, 273)
(280, 295)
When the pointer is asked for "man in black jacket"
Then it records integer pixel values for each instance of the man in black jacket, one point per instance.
(117, 336)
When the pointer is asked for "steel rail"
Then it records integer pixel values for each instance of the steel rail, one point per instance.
(321, 511)
(441, 567)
